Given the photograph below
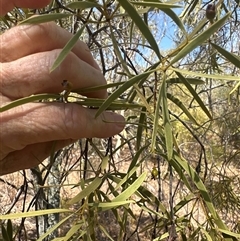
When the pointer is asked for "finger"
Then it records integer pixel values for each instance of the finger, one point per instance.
(30, 156)
(29, 39)
(30, 75)
(44, 122)
(8, 5)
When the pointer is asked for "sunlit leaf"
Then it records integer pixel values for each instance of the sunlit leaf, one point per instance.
(44, 18)
(67, 48)
(33, 213)
(166, 120)
(234, 59)
(207, 76)
(197, 41)
(141, 25)
(120, 90)
(195, 95)
(131, 189)
(86, 191)
(156, 4)
(178, 103)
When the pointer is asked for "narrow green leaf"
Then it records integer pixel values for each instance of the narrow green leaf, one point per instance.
(207, 76)
(141, 25)
(131, 189)
(120, 90)
(132, 168)
(234, 59)
(5, 234)
(206, 233)
(156, 4)
(235, 235)
(9, 228)
(86, 191)
(199, 39)
(140, 128)
(45, 18)
(105, 232)
(53, 228)
(33, 213)
(235, 88)
(73, 230)
(192, 81)
(118, 53)
(98, 87)
(83, 5)
(115, 105)
(204, 193)
(156, 118)
(67, 48)
(194, 94)
(175, 19)
(178, 103)
(166, 120)
(28, 99)
(109, 205)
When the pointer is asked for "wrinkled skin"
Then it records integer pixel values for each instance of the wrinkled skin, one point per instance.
(29, 132)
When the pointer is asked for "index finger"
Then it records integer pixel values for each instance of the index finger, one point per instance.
(8, 5)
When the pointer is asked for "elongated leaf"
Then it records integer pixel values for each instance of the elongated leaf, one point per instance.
(131, 189)
(178, 103)
(156, 118)
(132, 168)
(115, 105)
(206, 233)
(28, 99)
(118, 53)
(33, 213)
(53, 228)
(45, 18)
(208, 76)
(98, 87)
(192, 81)
(120, 90)
(204, 194)
(86, 191)
(156, 4)
(5, 234)
(166, 121)
(141, 25)
(9, 228)
(195, 95)
(235, 88)
(105, 232)
(234, 59)
(67, 48)
(235, 235)
(175, 19)
(73, 230)
(170, 13)
(199, 39)
(140, 128)
(83, 5)
(109, 205)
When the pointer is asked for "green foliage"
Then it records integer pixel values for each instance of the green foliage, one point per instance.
(162, 96)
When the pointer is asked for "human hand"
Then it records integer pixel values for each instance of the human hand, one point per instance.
(28, 132)
(8, 5)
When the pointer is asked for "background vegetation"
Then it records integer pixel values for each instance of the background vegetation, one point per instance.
(173, 174)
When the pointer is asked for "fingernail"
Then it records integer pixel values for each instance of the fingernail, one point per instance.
(118, 120)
